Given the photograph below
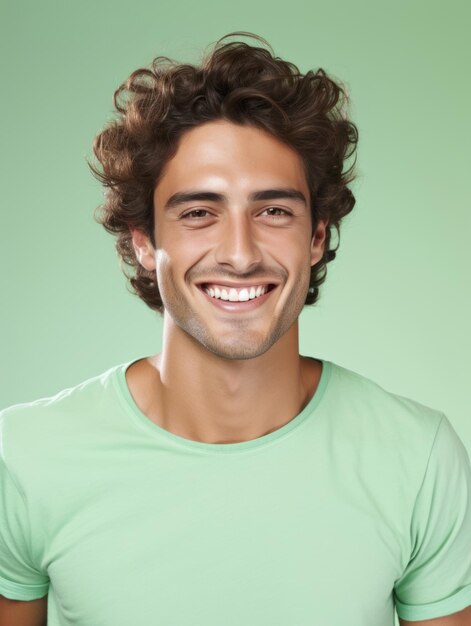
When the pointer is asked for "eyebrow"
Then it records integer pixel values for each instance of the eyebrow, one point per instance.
(182, 197)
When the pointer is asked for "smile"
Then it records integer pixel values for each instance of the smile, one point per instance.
(232, 294)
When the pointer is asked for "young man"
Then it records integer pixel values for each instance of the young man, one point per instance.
(228, 479)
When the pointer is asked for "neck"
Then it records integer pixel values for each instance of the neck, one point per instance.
(204, 397)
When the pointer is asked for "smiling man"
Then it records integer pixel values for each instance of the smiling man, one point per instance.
(230, 479)
(233, 259)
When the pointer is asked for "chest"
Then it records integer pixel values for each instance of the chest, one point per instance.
(267, 544)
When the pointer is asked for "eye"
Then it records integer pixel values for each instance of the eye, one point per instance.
(275, 211)
(196, 213)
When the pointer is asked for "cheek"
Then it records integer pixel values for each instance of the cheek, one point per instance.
(163, 265)
(174, 262)
(293, 251)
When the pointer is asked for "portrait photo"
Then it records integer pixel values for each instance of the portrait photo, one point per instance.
(235, 315)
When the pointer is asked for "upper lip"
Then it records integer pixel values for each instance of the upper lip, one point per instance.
(224, 283)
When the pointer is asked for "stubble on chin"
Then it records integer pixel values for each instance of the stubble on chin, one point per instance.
(239, 342)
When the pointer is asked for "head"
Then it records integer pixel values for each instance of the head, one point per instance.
(240, 123)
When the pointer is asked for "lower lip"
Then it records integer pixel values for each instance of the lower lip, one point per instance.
(238, 307)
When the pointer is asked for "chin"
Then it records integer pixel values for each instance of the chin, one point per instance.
(236, 348)
(237, 353)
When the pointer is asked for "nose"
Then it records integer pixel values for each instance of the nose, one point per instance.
(237, 246)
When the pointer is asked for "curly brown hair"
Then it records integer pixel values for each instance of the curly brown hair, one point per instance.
(240, 83)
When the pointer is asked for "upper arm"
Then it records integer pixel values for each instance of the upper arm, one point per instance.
(23, 579)
(23, 613)
(437, 579)
(461, 618)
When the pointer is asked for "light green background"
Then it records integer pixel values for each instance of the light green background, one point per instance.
(396, 303)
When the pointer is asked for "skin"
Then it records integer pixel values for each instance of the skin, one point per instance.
(20, 613)
(240, 370)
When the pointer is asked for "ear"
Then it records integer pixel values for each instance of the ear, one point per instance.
(143, 248)
(317, 242)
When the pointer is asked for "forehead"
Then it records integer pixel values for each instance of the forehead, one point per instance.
(227, 157)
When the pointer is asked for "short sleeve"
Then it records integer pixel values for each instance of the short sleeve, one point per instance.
(437, 578)
(19, 579)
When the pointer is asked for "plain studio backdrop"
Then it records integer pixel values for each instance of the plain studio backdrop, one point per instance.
(396, 302)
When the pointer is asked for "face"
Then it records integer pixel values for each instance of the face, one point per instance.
(233, 239)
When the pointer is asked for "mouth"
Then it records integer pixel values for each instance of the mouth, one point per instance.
(233, 297)
(230, 293)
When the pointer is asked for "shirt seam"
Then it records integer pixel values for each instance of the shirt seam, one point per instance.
(412, 555)
(123, 401)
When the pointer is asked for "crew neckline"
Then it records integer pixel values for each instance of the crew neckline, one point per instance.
(131, 408)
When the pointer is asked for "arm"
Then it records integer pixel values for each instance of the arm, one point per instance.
(437, 578)
(23, 587)
(22, 613)
(462, 618)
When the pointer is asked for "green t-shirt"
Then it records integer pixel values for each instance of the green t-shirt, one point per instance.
(360, 504)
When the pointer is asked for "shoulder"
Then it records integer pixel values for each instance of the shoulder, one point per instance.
(27, 427)
(389, 441)
(366, 395)
(377, 417)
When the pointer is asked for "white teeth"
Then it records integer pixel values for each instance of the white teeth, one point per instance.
(232, 295)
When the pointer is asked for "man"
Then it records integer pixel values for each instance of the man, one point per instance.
(229, 479)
